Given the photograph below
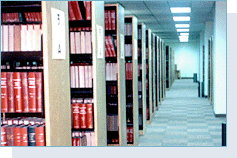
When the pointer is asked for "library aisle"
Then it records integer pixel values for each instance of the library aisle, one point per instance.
(184, 119)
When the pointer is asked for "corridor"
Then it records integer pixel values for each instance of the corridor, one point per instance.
(183, 119)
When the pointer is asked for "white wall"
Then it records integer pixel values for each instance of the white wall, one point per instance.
(186, 57)
(220, 53)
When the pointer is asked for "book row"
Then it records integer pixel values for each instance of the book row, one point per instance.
(111, 89)
(139, 34)
(128, 50)
(28, 65)
(111, 71)
(21, 37)
(112, 123)
(81, 76)
(82, 113)
(109, 47)
(18, 17)
(129, 71)
(21, 92)
(128, 29)
(76, 29)
(23, 132)
(83, 138)
(129, 134)
(79, 10)
(80, 42)
(110, 20)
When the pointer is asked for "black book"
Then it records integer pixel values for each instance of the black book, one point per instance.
(31, 135)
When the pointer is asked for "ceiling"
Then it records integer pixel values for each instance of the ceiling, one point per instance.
(158, 17)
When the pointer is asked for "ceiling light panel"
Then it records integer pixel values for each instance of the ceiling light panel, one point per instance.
(182, 25)
(182, 30)
(181, 18)
(180, 10)
(184, 34)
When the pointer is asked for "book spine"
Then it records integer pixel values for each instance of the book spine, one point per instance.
(11, 38)
(88, 10)
(109, 20)
(4, 104)
(10, 139)
(17, 91)
(25, 93)
(32, 91)
(113, 19)
(71, 13)
(5, 38)
(106, 20)
(3, 136)
(17, 34)
(76, 115)
(24, 136)
(40, 136)
(31, 136)
(17, 136)
(89, 115)
(83, 113)
(76, 10)
(39, 92)
(72, 43)
(10, 92)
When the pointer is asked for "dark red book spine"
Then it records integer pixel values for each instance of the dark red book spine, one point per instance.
(9, 132)
(10, 92)
(106, 20)
(40, 136)
(89, 115)
(32, 91)
(17, 136)
(131, 134)
(109, 20)
(39, 91)
(24, 136)
(74, 141)
(3, 136)
(4, 106)
(113, 18)
(17, 91)
(83, 112)
(76, 115)
(76, 10)
(87, 9)
(25, 93)
(78, 141)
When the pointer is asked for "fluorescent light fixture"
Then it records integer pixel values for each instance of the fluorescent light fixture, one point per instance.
(184, 34)
(180, 9)
(182, 30)
(181, 18)
(181, 25)
(183, 37)
(183, 40)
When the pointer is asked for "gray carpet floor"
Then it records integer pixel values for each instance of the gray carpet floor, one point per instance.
(183, 120)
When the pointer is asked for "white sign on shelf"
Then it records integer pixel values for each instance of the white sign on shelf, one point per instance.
(100, 48)
(135, 49)
(58, 34)
(122, 45)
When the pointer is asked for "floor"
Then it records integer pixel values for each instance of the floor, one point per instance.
(183, 120)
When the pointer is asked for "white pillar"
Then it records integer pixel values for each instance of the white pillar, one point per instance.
(219, 57)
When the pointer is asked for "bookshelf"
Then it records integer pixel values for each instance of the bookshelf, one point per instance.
(87, 74)
(149, 75)
(168, 69)
(163, 68)
(159, 72)
(116, 115)
(131, 66)
(142, 77)
(210, 71)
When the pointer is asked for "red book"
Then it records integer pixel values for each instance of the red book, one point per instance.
(127, 134)
(10, 92)
(17, 136)
(110, 53)
(83, 113)
(17, 91)
(111, 46)
(4, 105)
(78, 141)
(9, 133)
(76, 115)
(130, 134)
(89, 115)
(113, 17)
(73, 141)
(39, 135)
(25, 93)
(109, 20)
(24, 135)
(76, 10)
(32, 91)
(88, 9)
(71, 13)
(39, 91)
(106, 20)
(3, 136)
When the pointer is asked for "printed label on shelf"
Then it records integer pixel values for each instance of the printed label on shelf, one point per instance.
(122, 45)
(100, 41)
(144, 50)
(135, 49)
(58, 34)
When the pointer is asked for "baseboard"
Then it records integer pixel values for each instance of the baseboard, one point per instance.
(186, 77)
